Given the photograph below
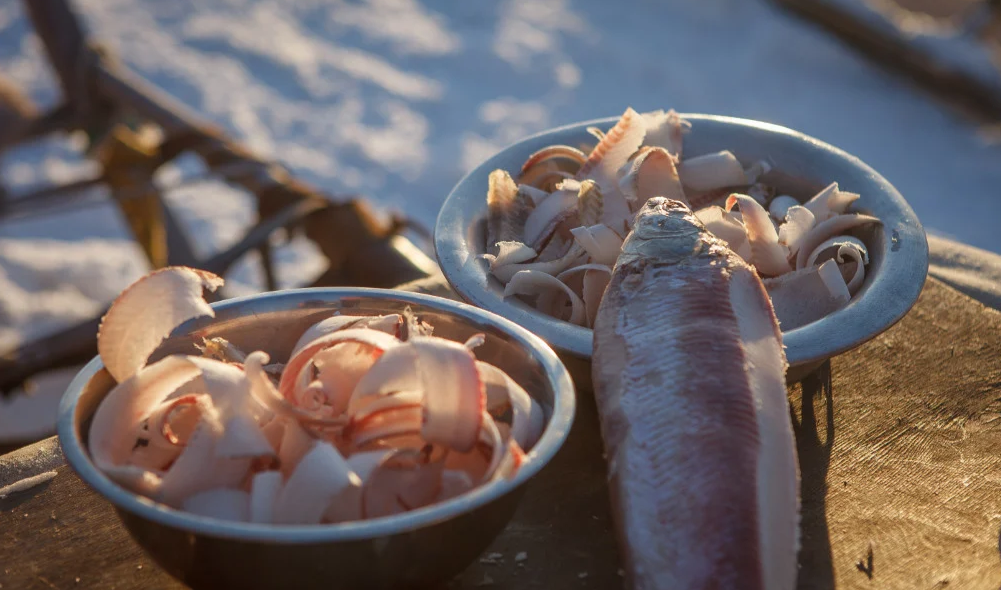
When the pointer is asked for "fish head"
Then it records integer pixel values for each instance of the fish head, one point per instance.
(665, 230)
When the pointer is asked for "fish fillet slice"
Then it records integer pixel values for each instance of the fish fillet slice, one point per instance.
(777, 492)
(146, 312)
(506, 211)
(604, 162)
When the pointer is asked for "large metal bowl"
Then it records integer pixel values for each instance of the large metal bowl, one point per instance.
(417, 549)
(801, 166)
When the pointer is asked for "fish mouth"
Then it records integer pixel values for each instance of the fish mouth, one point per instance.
(664, 205)
(665, 230)
(663, 218)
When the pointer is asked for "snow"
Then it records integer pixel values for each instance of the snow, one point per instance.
(27, 483)
(949, 45)
(397, 99)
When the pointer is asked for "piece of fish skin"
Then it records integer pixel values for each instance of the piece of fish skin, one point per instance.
(507, 210)
(688, 374)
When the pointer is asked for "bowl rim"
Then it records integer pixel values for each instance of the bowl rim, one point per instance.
(552, 439)
(888, 297)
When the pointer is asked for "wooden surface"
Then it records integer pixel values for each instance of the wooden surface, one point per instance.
(901, 464)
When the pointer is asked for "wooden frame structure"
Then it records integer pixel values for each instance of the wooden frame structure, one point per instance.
(113, 105)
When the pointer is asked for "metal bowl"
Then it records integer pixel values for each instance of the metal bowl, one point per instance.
(801, 166)
(416, 549)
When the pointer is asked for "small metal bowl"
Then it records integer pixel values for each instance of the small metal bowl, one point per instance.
(801, 165)
(417, 549)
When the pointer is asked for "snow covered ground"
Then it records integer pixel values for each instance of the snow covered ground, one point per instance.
(398, 98)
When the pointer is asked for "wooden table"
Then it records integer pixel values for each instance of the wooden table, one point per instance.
(899, 444)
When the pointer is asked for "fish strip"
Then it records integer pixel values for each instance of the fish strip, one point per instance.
(808, 294)
(712, 171)
(507, 209)
(851, 255)
(828, 229)
(604, 162)
(320, 477)
(219, 503)
(564, 152)
(547, 288)
(830, 202)
(527, 418)
(652, 174)
(780, 205)
(542, 222)
(601, 243)
(389, 324)
(767, 255)
(590, 203)
(724, 225)
(509, 253)
(798, 223)
(377, 342)
(505, 272)
(666, 130)
(146, 312)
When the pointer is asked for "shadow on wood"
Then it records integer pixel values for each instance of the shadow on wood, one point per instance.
(814, 460)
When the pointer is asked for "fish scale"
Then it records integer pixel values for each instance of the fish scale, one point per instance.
(688, 409)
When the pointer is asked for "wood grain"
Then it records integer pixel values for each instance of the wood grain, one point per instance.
(911, 425)
(898, 444)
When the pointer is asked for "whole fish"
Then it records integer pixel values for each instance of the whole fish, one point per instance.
(689, 376)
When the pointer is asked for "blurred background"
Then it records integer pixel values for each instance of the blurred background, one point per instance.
(396, 99)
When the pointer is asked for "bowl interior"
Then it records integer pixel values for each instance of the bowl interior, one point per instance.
(273, 323)
(801, 166)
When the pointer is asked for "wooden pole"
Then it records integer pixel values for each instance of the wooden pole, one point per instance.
(64, 40)
(16, 112)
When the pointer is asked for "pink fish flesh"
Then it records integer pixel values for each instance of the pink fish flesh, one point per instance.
(689, 376)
